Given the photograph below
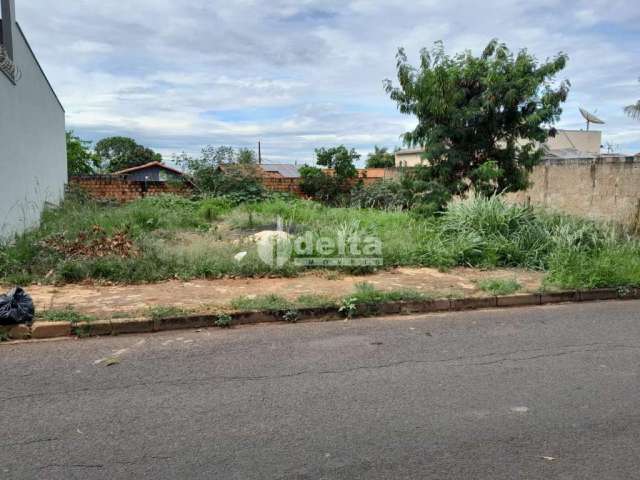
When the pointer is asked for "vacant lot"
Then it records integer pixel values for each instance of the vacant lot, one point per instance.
(168, 237)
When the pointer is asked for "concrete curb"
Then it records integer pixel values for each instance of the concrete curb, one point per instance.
(43, 330)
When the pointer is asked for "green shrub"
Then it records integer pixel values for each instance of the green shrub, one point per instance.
(317, 184)
(223, 321)
(211, 209)
(387, 195)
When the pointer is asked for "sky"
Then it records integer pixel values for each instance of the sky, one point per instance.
(177, 75)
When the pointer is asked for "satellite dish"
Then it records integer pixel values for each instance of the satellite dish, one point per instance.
(589, 117)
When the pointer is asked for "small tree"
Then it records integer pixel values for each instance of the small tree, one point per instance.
(119, 153)
(381, 158)
(482, 120)
(340, 160)
(246, 156)
(317, 184)
(327, 187)
(80, 159)
(222, 171)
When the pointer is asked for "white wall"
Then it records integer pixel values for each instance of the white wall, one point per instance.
(581, 140)
(33, 165)
(584, 141)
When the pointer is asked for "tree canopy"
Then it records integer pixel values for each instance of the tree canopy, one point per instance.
(482, 119)
(339, 159)
(381, 158)
(119, 153)
(80, 159)
(224, 171)
(328, 188)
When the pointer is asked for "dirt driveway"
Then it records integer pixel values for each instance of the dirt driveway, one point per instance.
(105, 301)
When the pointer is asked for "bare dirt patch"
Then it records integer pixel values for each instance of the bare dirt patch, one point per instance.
(206, 295)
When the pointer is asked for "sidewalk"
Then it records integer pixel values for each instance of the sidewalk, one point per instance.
(105, 301)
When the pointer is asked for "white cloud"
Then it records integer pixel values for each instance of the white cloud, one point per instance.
(299, 74)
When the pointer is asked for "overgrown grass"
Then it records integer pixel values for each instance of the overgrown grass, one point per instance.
(261, 302)
(160, 312)
(276, 302)
(499, 286)
(367, 293)
(67, 314)
(174, 237)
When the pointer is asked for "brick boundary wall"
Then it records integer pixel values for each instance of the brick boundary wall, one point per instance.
(276, 183)
(288, 185)
(113, 187)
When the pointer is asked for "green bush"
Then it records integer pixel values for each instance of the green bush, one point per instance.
(211, 209)
(387, 195)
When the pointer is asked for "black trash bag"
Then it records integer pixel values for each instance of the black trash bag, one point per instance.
(16, 307)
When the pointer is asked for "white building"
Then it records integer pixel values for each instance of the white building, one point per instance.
(33, 159)
(580, 143)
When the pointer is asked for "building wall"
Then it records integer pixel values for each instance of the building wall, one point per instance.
(154, 174)
(582, 140)
(281, 184)
(602, 188)
(120, 189)
(33, 159)
(408, 158)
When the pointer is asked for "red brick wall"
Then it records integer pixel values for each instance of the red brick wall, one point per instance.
(279, 184)
(276, 183)
(109, 187)
(112, 187)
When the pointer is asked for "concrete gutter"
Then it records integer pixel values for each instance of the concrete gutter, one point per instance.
(45, 330)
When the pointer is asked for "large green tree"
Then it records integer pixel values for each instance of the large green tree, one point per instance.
(80, 159)
(119, 153)
(381, 158)
(482, 119)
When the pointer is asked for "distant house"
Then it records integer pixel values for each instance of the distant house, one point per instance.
(566, 144)
(152, 172)
(280, 170)
(33, 158)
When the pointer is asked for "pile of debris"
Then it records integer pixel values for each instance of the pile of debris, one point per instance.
(96, 243)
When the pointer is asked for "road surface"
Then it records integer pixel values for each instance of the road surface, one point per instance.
(536, 393)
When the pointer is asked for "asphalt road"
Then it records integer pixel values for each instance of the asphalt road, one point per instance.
(536, 393)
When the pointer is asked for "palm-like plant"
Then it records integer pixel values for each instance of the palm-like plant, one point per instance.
(633, 110)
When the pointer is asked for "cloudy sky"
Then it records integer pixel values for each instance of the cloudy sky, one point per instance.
(299, 74)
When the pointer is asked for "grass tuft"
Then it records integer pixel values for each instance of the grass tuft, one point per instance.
(160, 312)
(67, 314)
(499, 286)
(261, 303)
